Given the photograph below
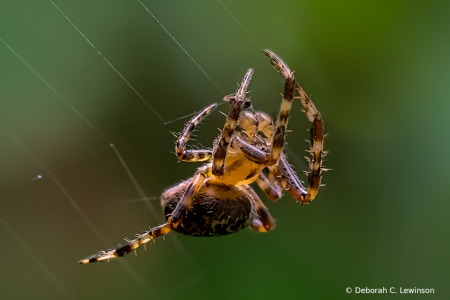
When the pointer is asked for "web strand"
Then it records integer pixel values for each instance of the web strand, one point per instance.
(180, 118)
(50, 275)
(123, 141)
(182, 48)
(52, 88)
(109, 63)
(186, 116)
(75, 205)
(140, 200)
(140, 191)
(240, 25)
(157, 127)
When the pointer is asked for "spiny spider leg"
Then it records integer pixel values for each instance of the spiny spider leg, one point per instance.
(236, 103)
(189, 127)
(265, 222)
(289, 180)
(172, 223)
(131, 245)
(270, 186)
(316, 132)
(202, 174)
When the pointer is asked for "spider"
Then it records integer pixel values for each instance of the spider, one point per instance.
(218, 200)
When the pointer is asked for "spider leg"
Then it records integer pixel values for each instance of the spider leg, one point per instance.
(270, 186)
(189, 127)
(173, 221)
(316, 144)
(285, 175)
(316, 133)
(129, 246)
(289, 180)
(203, 173)
(265, 222)
(236, 103)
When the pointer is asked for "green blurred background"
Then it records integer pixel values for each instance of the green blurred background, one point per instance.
(377, 70)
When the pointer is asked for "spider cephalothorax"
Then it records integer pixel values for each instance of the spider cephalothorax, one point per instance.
(218, 200)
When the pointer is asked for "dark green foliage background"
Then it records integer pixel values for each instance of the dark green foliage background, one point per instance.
(377, 70)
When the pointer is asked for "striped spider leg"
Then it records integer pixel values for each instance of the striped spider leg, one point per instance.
(171, 224)
(288, 178)
(180, 145)
(270, 186)
(237, 100)
(285, 175)
(264, 222)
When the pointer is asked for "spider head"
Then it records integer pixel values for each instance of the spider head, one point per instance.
(247, 102)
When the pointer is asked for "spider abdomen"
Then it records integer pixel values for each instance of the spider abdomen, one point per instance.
(217, 209)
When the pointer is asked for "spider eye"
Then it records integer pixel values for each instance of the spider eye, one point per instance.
(247, 104)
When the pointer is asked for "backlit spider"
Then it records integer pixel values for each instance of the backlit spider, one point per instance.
(218, 200)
